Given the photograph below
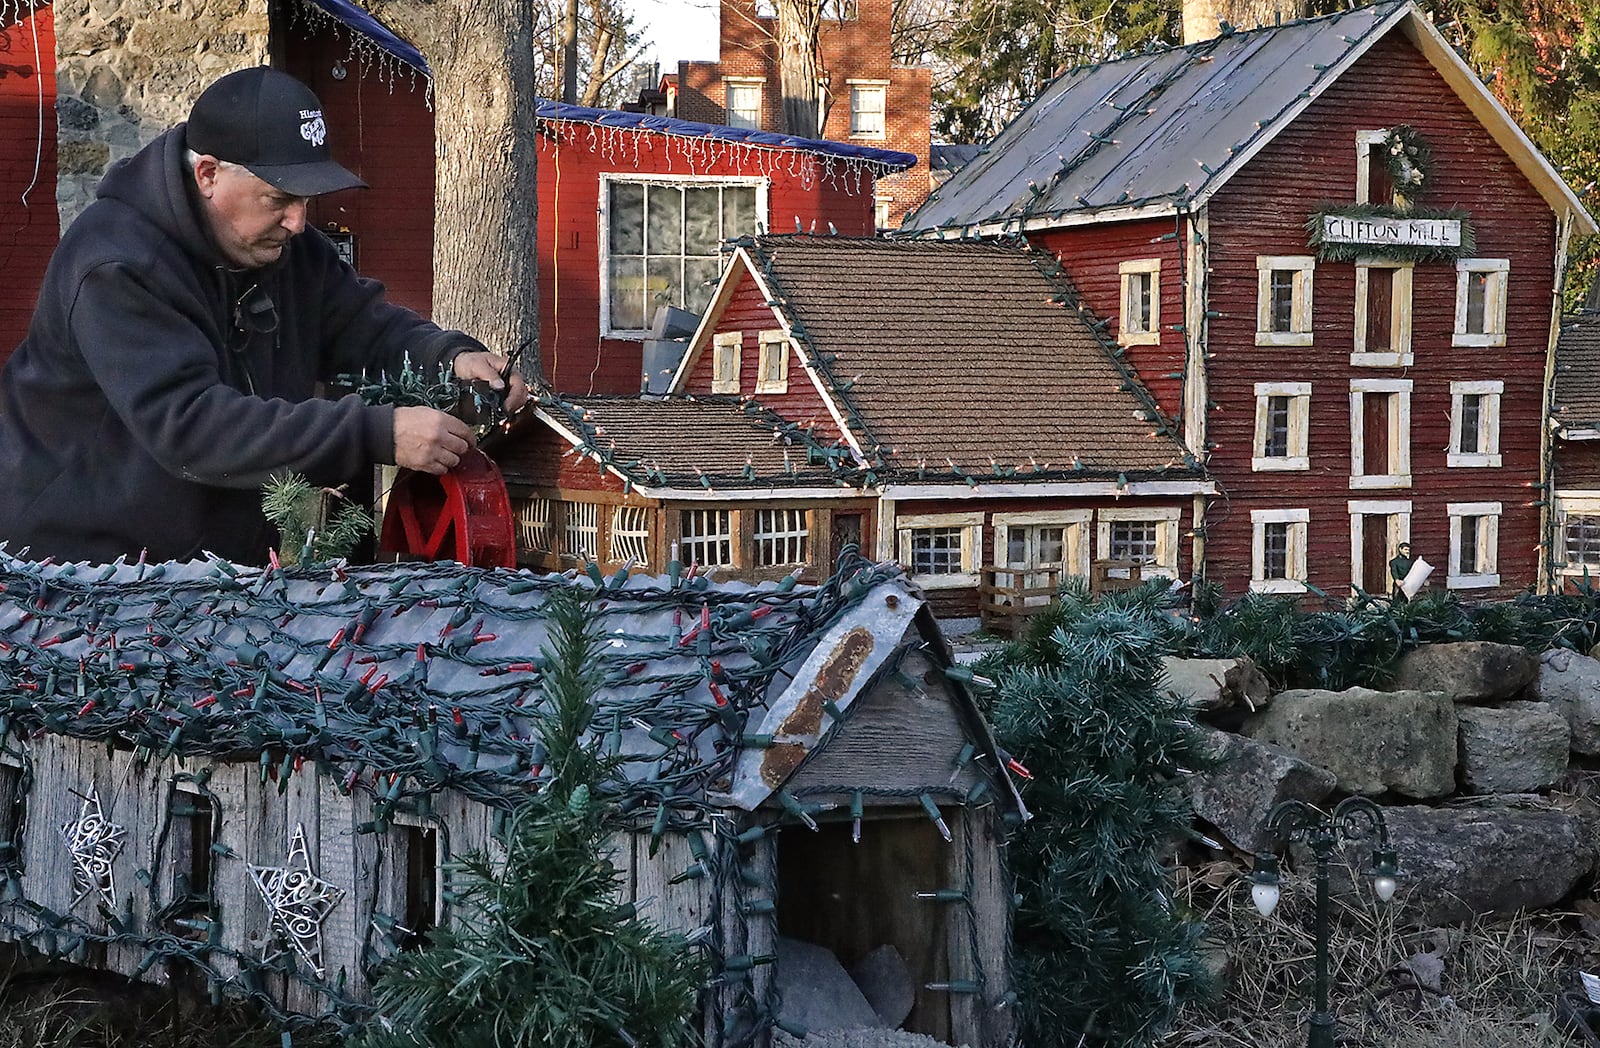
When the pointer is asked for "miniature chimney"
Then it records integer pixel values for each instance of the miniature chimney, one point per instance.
(1202, 17)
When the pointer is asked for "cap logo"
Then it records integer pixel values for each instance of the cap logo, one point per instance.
(313, 130)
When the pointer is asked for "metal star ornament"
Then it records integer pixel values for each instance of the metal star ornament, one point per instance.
(93, 843)
(298, 900)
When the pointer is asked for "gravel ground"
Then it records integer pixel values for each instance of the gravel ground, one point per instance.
(856, 1039)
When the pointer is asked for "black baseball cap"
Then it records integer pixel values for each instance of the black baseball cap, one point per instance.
(272, 125)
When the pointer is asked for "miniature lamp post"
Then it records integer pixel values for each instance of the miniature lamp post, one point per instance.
(1355, 819)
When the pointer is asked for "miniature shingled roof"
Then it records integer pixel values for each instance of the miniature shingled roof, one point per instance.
(966, 359)
(430, 672)
(1577, 381)
(1150, 129)
(697, 442)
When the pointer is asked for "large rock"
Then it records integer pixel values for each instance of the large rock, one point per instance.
(1514, 748)
(818, 993)
(1373, 741)
(1571, 683)
(1459, 862)
(1468, 671)
(1250, 780)
(885, 981)
(1217, 684)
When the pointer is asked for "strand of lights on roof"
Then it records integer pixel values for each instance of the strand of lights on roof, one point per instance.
(362, 50)
(304, 666)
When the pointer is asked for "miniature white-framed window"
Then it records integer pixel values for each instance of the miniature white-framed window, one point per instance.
(533, 524)
(1474, 545)
(868, 99)
(1042, 539)
(725, 364)
(1283, 425)
(706, 537)
(1578, 533)
(1475, 423)
(1384, 524)
(1481, 301)
(1278, 550)
(1373, 184)
(941, 550)
(782, 537)
(772, 363)
(1380, 433)
(1139, 323)
(630, 534)
(581, 536)
(743, 95)
(1146, 536)
(420, 864)
(1283, 299)
(661, 240)
(881, 206)
(1383, 314)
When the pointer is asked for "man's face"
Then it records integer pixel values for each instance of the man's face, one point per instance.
(250, 220)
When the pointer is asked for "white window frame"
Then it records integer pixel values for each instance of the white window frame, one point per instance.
(730, 84)
(1494, 301)
(1299, 521)
(772, 344)
(1584, 503)
(727, 531)
(880, 211)
(1488, 453)
(1075, 551)
(1299, 456)
(608, 329)
(1303, 267)
(727, 349)
(971, 546)
(1126, 271)
(862, 90)
(1399, 433)
(1487, 571)
(1399, 530)
(630, 534)
(787, 530)
(1365, 140)
(1400, 319)
(1166, 520)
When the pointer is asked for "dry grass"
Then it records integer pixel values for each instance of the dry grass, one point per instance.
(1490, 985)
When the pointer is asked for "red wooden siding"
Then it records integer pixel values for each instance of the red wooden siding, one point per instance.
(1577, 464)
(1262, 212)
(28, 231)
(747, 312)
(1091, 255)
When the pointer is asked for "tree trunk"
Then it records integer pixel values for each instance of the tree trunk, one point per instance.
(799, 66)
(569, 54)
(485, 164)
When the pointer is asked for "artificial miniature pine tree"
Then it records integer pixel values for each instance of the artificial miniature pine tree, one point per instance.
(314, 524)
(539, 952)
(1102, 958)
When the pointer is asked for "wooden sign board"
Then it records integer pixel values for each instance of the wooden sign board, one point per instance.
(1412, 232)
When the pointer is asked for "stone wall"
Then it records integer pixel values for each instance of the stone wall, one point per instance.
(127, 72)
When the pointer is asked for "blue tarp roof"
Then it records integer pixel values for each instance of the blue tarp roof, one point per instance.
(362, 22)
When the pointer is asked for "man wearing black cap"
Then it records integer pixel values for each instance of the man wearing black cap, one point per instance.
(184, 323)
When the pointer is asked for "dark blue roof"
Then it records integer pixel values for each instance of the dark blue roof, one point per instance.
(362, 22)
(885, 158)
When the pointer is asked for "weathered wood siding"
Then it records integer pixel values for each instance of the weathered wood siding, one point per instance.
(1262, 211)
(28, 222)
(1577, 463)
(1091, 255)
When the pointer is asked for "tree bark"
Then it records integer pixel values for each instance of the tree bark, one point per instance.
(800, 66)
(569, 54)
(485, 163)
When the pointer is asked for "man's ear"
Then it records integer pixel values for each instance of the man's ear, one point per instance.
(206, 169)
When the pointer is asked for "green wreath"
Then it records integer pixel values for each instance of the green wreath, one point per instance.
(1409, 162)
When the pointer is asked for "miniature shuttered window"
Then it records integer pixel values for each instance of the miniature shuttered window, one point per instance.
(533, 525)
(630, 534)
(1140, 316)
(706, 537)
(781, 536)
(1474, 545)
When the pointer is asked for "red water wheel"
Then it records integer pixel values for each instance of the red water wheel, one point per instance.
(464, 515)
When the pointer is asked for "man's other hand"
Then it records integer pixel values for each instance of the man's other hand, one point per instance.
(430, 441)
(489, 367)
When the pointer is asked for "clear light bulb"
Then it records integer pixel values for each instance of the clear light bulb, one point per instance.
(1383, 887)
(1265, 896)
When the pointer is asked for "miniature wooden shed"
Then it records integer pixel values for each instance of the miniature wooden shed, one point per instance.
(253, 779)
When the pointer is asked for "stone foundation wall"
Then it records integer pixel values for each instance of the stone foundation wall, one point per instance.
(127, 72)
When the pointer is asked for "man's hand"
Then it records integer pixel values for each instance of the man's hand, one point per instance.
(488, 367)
(430, 441)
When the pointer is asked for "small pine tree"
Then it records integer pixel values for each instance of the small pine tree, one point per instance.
(1102, 958)
(314, 524)
(539, 952)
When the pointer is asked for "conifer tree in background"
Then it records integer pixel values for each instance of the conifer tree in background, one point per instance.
(539, 952)
(1101, 957)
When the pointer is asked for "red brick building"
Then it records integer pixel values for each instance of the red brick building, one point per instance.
(868, 99)
(1330, 253)
(29, 225)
